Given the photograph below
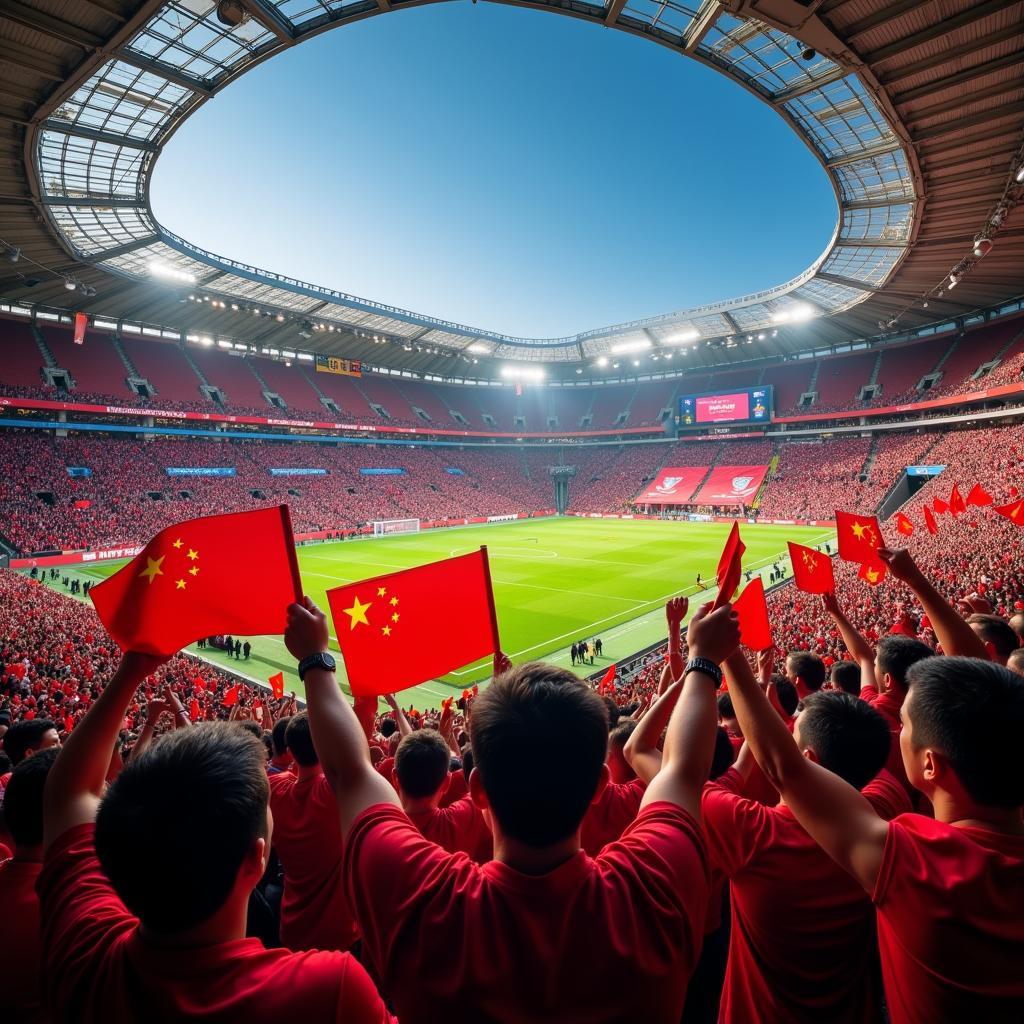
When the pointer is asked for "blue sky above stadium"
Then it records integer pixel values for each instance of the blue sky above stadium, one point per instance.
(505, 168)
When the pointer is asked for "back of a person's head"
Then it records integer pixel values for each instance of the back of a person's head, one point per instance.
(724, 755)
(251, 727)
(388, 727)
(619, 736)
(972, 712)
(1017, 625)
(299, 739)
(613, 711)
(277, 736)
(806, 667)
(539, 740)
(895, 655)
(725, 708)
(177, 823)
(845, 676)
(422, 763)
(997, 632)
(24, 736)
(1015, 662)
(23, 798)
(788, 697)
(848, 736)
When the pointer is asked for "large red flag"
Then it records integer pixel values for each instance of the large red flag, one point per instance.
(977, 495)
(956, 502)
(752, 609)
(929, 521)
(729, 566)
(1014, 511)
(220, 574)
(873, 572)
(940, 506)
(277, 685)
(904, 525)
(403, 628)
(812, 571)
(859, 536)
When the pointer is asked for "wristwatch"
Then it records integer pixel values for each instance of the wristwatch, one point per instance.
(320, 660)
(709, 668)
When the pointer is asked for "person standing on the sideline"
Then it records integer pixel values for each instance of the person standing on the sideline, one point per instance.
(598, 646)
(246, 650)
(573, 652)
(583, 652)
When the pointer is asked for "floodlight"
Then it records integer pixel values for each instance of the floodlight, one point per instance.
(624, 347)
(165, 270)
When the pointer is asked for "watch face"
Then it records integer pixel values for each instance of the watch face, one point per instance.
(328, 660)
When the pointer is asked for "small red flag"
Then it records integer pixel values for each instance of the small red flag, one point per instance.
(198, 684)
(929, 521)
(729, 566)
(812, 571)
(69, 723)
(904, 525)
(956, 502)
(193, 710)
(1014, 492)
(1014, 511)
(231, 574)
(403, 628)
(859, 536)
(940, 506)
(752, 609)
(977, 495)
(277, 685)
(231, 696)
(607, 684)
(873, 572)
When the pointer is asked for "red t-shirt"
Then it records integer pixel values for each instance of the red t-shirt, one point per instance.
(459, 828)
(607, 819)
(100, 968)
(307, 837)
(20, 965)
(888, 705)
(456, 790)
(803, 937)
(608, 939)
(951, 923)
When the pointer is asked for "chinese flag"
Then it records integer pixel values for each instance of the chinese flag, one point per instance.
(607, 684)
(231, 696)
(277, 685)
(929, 521)
(940, 506)
(812, 571)
(1014, 511)
(859, 537)
(729, 567)
(403, 628)
(977, 495)
(956, 502)
(752, 609)
(220, 574)
(904, 525)
(194, 711)
(873, 572)
(198, 684)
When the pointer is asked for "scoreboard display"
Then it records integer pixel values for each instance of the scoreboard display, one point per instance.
(738, 406)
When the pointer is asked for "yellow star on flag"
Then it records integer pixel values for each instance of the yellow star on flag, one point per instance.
(386, 630)
(394, 618)
(180, 584)
(858, 530)
(357, 613)
(381, 591)
(153, 569)
(394, 601)
(177, 543)
(194, 571)
(193, 554)
(872, 575)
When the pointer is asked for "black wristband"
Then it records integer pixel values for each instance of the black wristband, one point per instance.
(708, 668)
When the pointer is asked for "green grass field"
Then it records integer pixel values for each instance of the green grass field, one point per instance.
(555, 581)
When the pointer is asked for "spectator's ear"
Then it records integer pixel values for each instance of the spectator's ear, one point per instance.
(602, 784)
(477, 792)
(991, 648)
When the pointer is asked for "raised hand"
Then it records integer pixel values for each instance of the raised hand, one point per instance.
(714, 634)
(306, 632)
(675, 611)
(901, 564)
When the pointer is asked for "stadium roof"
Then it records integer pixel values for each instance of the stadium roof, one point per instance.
(915, 109)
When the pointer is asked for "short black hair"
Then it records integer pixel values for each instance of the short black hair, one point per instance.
(724, 755)
(388, 727)
(277, 735)
(299, 738)
(25, 735)
(619, 736)
(973, 712)
(189, 807)
(846, 676)
(896, 653)
(613, 711)
(250, 726)
(725, 708)
(524, 715)
(1016, 660)
(23, 798)
(422, 763)
(997, 632)
(788, 697)
(467, 762)
(808, 667)
(849, 737)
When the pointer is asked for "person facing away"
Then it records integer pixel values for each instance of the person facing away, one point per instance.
(144, 890)
(543, 932)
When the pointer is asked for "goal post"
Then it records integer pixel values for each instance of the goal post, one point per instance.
(387, 527)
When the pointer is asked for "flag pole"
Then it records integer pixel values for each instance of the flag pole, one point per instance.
(490, 600)
(293, 558)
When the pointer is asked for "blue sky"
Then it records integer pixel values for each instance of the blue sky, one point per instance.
(509, 169)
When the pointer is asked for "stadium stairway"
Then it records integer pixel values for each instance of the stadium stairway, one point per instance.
(773, 465)
(128, 364)
(48, 359)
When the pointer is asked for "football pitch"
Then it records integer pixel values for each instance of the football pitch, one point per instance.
(555, 581)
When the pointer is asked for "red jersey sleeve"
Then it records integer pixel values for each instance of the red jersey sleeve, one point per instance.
(734, 825)
(888, 797)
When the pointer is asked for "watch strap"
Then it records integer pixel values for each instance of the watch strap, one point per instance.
(319, 660)
(708, 668)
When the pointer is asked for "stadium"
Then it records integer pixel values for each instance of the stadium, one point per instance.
(792, 440)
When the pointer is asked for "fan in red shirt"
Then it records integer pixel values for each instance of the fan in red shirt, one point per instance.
(610, 814)
(307, 837)
(143, 893)
(542, 932)
(948, 891)
(21, 963)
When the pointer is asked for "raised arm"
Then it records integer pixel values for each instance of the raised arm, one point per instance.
(404, 726)
(337, 733)
(690, 735)
(154, 711)
(860, 650)
(953, 633)
(75, 783)
(675, 612)
(835, 815)
(641, 750)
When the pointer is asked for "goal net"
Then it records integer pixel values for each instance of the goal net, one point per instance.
(385, 527)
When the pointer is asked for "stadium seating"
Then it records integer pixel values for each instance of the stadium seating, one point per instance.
(231, 374)
(164, 365)
(20, 358)
(95, 365)
(790, 381)
(290, 384)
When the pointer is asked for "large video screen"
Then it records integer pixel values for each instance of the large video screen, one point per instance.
(741, 405)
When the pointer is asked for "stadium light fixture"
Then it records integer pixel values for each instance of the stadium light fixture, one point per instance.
(479, 348)
(169, 273)
(602, 361)
(683, 336)
(221, 343)
(982, 246)
(1020, 173)
(636, 362)
(534, 373)
(794, 314)
(625, 347)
